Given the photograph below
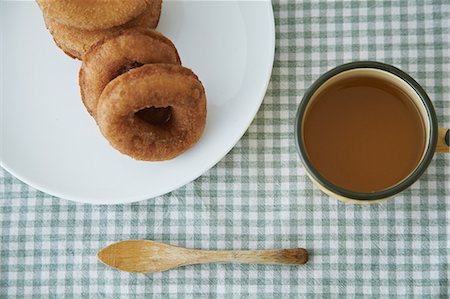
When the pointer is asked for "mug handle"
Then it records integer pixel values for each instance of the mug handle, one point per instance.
(443, 142)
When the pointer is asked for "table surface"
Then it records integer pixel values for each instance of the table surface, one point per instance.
(258, 196)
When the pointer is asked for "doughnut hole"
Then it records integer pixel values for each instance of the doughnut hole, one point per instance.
(126, 67)
(159, 116)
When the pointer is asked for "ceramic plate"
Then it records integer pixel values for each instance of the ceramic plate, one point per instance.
(49, 141)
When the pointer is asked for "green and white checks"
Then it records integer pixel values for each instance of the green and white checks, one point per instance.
(258, 196)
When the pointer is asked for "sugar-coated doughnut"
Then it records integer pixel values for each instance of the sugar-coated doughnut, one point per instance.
(93, 14)
(154, 86)
(117, 54)
(76, 42)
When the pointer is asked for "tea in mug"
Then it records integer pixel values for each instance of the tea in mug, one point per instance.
(363, 133)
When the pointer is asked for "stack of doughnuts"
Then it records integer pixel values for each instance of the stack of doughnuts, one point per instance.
(77, 24)
(145, 103)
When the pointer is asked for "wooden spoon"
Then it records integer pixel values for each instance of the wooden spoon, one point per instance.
(150, 256)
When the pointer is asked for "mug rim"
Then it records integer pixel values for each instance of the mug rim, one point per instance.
(411, 178)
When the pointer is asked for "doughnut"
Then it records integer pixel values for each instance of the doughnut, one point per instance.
(92, 14)
(126, 99)
(117, 54)
(75, 42)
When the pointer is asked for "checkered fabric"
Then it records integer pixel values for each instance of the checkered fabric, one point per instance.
(258, 196)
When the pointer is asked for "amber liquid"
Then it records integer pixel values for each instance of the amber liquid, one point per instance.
(363, 134)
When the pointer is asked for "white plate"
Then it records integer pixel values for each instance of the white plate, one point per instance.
(49, 141)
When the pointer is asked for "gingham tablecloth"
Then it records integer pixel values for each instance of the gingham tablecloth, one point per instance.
(258, 196)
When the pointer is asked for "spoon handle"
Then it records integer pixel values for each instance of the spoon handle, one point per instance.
(293, 256)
